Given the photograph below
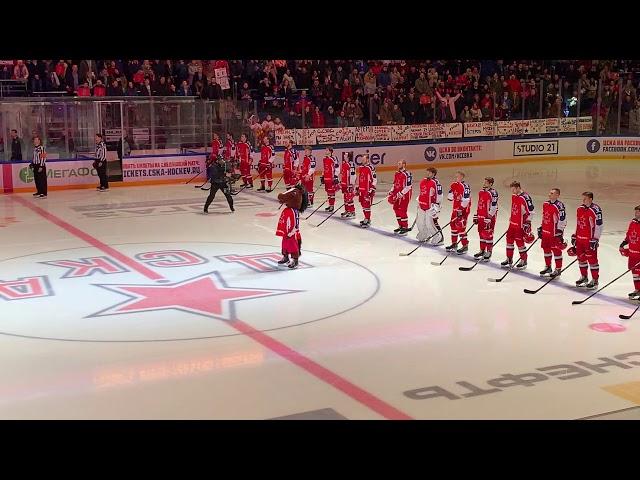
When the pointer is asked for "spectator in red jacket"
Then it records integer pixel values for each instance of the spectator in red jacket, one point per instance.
(84, 90)
(346, 93)
(138, 77)
(317, 119)
(99, 90)
(514, 84)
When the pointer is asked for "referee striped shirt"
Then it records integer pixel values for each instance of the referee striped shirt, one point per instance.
(101, 151)
(39, 156)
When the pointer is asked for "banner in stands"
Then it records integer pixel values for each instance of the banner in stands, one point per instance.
(162, 168)
(365, 134)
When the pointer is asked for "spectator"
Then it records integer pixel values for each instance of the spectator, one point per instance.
(422, 84)
(145, 89)
(331, 119)
(99, 90)
(162, 87)
(384, 77)
(72, 78)
(342, 119)
(396, 115)
(448, 102)
(317, 118)
(465, 115)
(410, 107)
(84, 90)
(385, 112)
(16, 147)
(634, 119)
(113, 90)
(20, 71)
(184, 90)
(476, 113)
(370, 81)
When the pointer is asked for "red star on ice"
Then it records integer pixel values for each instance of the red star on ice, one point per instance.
(206, 295)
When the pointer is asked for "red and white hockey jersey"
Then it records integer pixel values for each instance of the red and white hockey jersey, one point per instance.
(289, 223)
(487, 203)
(229, 149)
(633, 237)
(290, 160)
(589, 222)
(430, 193)
(367, 179)
(307, 167)
(521, 209)
(216, 146)
(330, 168)
(460, 193)
(401, 184)
(554, 218)
(267, 154)
(243, 152)
(347, 174)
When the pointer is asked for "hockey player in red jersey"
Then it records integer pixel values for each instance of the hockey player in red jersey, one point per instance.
(485, 218)
(243, 151)
(307, 171)
(290, 165)
(367, 182)
(229, 152)
(460, 195)
(330, 169)
(586, 240)
(265, 165)
(348, 184)
(400, 196)
(429, 202)
(519, 225)
(551, 232)
(216, 146)
(632, 240)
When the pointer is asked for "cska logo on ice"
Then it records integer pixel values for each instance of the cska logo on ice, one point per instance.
(168, 292)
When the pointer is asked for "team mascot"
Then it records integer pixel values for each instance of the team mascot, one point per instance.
(296, 201)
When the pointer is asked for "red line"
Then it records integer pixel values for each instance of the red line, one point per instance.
(138, 267)
(322, 373)
(327, 376)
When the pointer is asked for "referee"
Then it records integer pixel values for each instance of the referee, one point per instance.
(39, 167)
(100, 164)
(219, 181)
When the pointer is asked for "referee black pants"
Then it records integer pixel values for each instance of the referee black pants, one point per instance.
(102, 174)
(41, 179)
(212, 194)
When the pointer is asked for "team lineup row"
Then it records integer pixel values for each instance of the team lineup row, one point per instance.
(342, 176)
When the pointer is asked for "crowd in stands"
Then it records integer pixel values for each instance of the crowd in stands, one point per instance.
(334, 93)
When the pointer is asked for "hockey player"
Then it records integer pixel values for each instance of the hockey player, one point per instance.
(290, 165)
(400, 196)
(460, 195)
(632, 239)
(586, 240)
(485, 218)
(216, 146)
(348, 184)
(519, 225)
(243, 151)
(330, 169)
(551, 232)
(307, 171)
(367, 182)
(229, 152)
(429, 202)
(265, 165)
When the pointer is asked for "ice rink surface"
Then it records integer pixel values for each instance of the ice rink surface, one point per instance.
(132, 304)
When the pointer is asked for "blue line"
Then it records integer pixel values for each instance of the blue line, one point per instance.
(412, 241)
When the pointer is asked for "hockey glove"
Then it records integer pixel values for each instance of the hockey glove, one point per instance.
(539, 232)
(573, 240)
(321, 180)
(624, 252)
(593, 244)
(475, 219)
(459, 213)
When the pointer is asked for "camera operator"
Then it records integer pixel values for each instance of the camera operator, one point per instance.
(219, 181)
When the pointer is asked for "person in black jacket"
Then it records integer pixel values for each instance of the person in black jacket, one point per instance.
(16, 147)
(219, 181)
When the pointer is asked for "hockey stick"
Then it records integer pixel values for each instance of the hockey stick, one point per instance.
(193, 178)
(277, 183)
(307, 218)
(627, 317)
(425, 240)
(526, 290)
(511, 266)
(379, 201)
(332, 214)
(437, 264)
(579, 302)
(468, 269)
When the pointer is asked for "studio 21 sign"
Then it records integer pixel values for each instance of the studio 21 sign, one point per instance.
(58, 173)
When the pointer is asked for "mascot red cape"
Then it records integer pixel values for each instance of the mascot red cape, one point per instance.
(289, 225)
